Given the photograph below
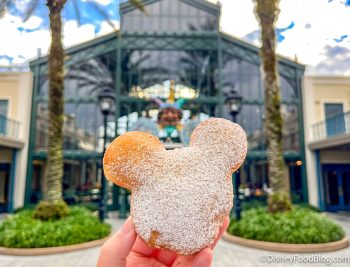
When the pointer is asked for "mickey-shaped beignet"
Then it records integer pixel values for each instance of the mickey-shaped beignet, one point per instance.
(179, 198)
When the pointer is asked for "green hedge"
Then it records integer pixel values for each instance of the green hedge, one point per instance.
(22, 231)
(299, 226)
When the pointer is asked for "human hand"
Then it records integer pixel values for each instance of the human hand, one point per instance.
(126, 249)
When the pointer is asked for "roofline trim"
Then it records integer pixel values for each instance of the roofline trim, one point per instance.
(113, 35)
(77, 47)
(126, 7)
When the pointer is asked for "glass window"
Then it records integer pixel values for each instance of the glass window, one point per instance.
(4, 107)
(85, 79)
(290, 141)
(81, 180)
(288, 92)
(335, 119)
(192, 69)
(82, 129)
(251, 120)
(243, 77)
(333, 109)
(41, 127)
(169, 16)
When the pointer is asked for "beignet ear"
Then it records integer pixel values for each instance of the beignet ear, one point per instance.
(127, 156)
(225, 142)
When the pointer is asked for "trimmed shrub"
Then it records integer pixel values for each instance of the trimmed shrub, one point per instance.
(21, 230)
(298, 226)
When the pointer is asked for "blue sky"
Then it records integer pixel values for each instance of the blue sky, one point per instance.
(316, 32)
(86, 15)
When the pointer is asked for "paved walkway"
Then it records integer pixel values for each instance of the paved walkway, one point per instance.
(226, 254)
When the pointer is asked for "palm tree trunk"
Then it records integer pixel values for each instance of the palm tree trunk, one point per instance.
(267, 13)
(54, 171)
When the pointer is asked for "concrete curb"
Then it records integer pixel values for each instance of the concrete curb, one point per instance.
(51, 250)
(284, 247)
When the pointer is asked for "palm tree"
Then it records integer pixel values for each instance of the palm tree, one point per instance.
(54, 172)
(54, 169)
(267, 12)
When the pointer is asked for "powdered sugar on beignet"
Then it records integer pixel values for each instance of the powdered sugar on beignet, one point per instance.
(180, 197)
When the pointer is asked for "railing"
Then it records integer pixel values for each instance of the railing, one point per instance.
(10, 128)
(331, 127)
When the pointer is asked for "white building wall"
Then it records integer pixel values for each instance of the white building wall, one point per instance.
(318, 90)
(24, 112)
(309, 115)
(17, 88)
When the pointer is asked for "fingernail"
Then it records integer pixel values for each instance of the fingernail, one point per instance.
(127, 226)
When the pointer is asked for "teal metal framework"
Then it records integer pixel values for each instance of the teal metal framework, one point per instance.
(118, 45)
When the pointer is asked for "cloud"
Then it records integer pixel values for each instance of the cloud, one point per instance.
(6, 58)
(316, 24)
(237, 17)
(102, 2)
(308, 29)
(253, 37)
(336, 60)
(105, 28)
(21, 41)
(73, 34)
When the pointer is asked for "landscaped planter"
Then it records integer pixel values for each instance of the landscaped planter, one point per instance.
(301, 229)
(285, 247)
(51, 250)
(21, 234)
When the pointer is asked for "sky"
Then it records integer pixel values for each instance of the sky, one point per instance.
(315, 32)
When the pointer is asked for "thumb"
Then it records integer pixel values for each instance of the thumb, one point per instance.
(116, 249)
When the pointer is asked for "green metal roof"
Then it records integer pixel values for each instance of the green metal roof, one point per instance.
(114, 35)
(79, 47)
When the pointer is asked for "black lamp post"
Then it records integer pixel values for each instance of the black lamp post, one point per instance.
(234, 104)
(106, 99)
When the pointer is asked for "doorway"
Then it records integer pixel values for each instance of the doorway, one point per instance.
(4, 186)
(337, 185)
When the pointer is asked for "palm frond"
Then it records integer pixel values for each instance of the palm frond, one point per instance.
(31, 6)
(4, 4)
(102, 12)
(138, 4)
(77, 11)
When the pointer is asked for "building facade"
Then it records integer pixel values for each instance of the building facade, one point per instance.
(178, 41)
(327, 133)
(15, 103)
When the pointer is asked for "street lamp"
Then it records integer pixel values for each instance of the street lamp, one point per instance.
(106, 100)
(234, 105)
